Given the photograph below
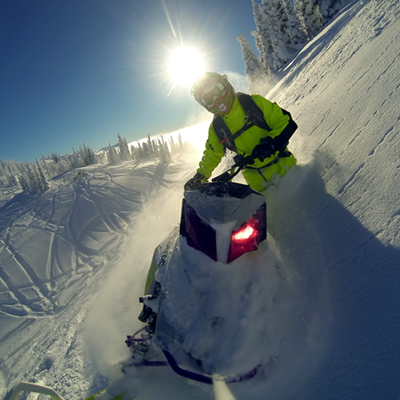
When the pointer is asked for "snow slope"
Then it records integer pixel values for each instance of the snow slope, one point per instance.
(56, 249)
(343, 90)
(74, 259)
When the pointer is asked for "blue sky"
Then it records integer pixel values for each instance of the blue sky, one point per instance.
(76, 72)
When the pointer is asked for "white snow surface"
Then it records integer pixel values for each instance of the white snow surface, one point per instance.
(321, 296)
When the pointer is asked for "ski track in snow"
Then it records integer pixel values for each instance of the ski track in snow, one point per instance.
(32, 279)
(52, 247)
(74, 260)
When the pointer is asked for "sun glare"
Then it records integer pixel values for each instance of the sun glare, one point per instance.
(185, 66)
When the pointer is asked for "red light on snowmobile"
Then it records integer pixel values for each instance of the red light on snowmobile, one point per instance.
(246, 233)
(248, 237)
(203, 237)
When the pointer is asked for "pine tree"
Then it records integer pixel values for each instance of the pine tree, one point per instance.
(252, 65)
(141, 151)
(87, 156)
(330, 8)
(9, 170)
(135, 153)
(42, 182)
(299, 11)
(164, 153)
(282, 18)
(112, 155)
(75, 159)
(271, 15)
(149, 149)
(312, 18)
(23, 182)
(55, 157)
(262, 39)
(32, 178)
(173, 145)
(124, 152)
(296, 28)
(64, 165)
(84, 156)
(145, 152)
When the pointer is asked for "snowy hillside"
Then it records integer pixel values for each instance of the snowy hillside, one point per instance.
(57, 248)
(73, 260)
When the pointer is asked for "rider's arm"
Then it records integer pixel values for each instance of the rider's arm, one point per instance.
(212, 154)
(278, 119)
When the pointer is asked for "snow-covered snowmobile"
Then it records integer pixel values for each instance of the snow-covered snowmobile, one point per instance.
(198, 284)
(201, 306)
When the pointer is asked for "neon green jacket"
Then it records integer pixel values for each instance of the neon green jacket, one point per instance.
(245, 143)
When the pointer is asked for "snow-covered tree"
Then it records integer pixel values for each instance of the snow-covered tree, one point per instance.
(146, 150)
(75, 159)
(280, 29)
(112, 154)
(262, 39)
(272, 15)
(87, 156)
(9, 170)
(164, 153)
(135, 153)
(252, 65)
(176, 147)
(282, 19)
(312, 17)
(124, 152)
(149, 148)
(281, 26)
(41, 179)
(62, 166)
(23, 182)
(32, 178)
(296, 27)
(55, 157)
(330, 8)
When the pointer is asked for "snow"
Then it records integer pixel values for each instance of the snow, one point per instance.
(74, 259)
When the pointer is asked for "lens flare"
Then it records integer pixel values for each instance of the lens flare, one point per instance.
(185, 66)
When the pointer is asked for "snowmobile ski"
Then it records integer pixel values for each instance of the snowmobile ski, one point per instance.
(28, 387)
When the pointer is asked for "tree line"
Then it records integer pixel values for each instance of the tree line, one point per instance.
(34, 176)
(282, 28)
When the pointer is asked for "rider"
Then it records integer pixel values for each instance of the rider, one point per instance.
(268, 147)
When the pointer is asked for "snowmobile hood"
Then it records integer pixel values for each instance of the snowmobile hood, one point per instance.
(223, 202)
(223, 220)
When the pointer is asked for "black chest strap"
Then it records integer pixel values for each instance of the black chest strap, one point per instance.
(254, 117)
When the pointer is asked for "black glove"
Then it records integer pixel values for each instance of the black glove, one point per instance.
(264, 149)
(195, 182)
(279, 143)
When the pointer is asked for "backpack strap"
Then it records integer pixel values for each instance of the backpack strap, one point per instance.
(252, 111)
(254, 116)
(224, 133)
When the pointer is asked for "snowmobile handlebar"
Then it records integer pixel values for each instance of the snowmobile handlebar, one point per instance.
(227, 176)
(240, 163)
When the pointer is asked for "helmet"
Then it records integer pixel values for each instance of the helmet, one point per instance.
(214, 92)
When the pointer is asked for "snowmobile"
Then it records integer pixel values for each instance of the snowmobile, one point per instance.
(200, 282)
(186, 306)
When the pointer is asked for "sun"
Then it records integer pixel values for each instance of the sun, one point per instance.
(185, 65)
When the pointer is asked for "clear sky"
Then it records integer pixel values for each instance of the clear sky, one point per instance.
(76, 72)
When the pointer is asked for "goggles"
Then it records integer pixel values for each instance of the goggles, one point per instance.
(213, 93)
